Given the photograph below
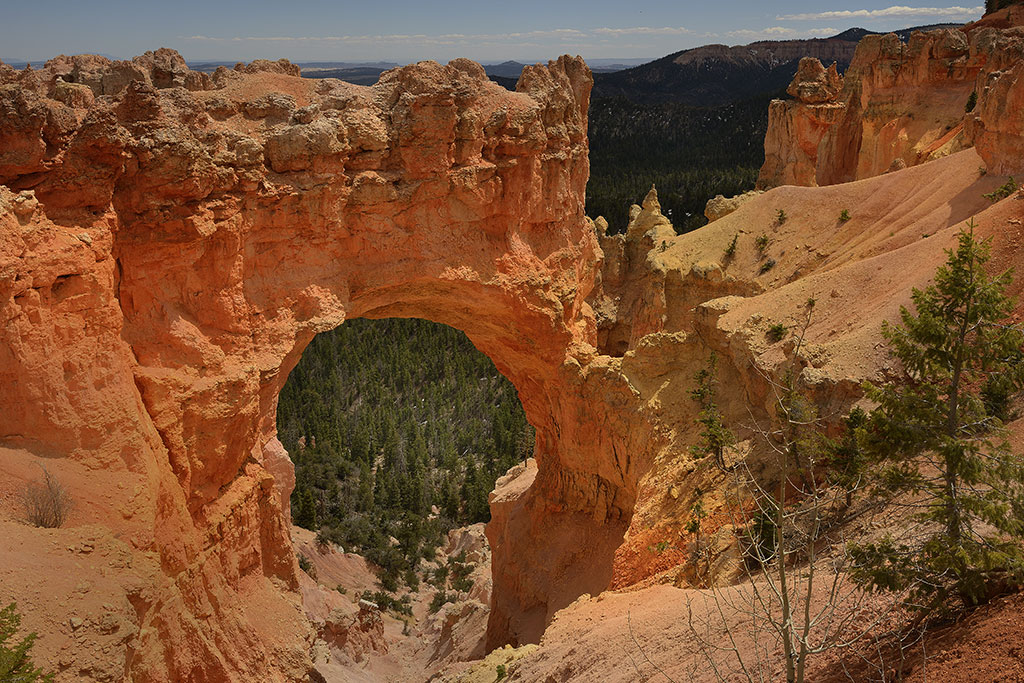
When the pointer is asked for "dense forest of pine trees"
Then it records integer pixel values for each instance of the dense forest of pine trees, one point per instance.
(993, 5)
(398, 429)
(690, 153)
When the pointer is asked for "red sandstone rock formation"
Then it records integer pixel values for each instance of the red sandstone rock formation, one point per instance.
(720, 205)
(900, 105)
(797, 127)
(170, 246)
(172, 241)
(860, 272)
(996, 126)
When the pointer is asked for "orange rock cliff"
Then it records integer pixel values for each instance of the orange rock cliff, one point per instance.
(171, 241)
(901, 104)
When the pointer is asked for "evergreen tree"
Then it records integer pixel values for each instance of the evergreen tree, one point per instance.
(847, 462)
(449, 498)
(415, 501)
(993, 5)
(474, 495)
(365, 495)
(305, 510)
(936, 440)
(715, 436)
(15, 664)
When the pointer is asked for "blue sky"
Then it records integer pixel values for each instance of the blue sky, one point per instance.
(409, 30)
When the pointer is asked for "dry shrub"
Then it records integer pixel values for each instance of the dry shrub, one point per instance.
(47, 503)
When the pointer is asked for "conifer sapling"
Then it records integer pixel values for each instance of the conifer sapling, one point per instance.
(941, 447)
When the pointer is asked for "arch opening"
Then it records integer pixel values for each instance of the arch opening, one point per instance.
(398, 429)
(554, 530)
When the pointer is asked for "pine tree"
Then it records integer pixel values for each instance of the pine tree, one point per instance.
(449, 498)
(936, 439)
(474, 495)
(15, 664)
(715, 436)
(365, 494)
(846, 462)
(993, 5)
(305, 509)
(415, 483)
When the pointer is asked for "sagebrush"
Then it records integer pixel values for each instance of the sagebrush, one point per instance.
(47, 503)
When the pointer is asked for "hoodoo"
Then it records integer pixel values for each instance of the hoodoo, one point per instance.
(898, 105)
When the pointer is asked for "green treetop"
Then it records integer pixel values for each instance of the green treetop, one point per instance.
(938, 438)
(15, 662)
(714, 437)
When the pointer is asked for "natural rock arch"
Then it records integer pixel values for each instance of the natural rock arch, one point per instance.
(180, 238)
(169, 242)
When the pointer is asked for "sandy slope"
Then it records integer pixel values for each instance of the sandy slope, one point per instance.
(860, 272)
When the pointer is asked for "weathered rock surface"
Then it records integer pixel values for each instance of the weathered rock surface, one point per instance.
(814, 84)
(898, 105)
(173, 241)
(996, 126)
(720, 205)
(859, 271)
(796, 127)
(169, 246)
(357, 634)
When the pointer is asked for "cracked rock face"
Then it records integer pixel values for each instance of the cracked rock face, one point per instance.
(899, 105)
(171, 241)
(814, 84)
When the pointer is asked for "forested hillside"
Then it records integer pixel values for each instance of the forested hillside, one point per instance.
(716, 75)
(690, 153)
(398, 429)
(693, 123)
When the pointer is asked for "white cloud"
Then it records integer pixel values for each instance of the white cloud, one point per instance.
(894, 11)
(781, 33)
(644, 30)
(562, 36)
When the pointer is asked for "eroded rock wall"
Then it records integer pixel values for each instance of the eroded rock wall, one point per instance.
(900, 104)
(172, 241)
(996, 126)
(663, 314)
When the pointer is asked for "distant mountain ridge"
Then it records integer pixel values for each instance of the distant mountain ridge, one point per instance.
(512, 69)
(507, 69)
(367, 73)
(360, 74)
(716, 75)
(693, 123)
(706, 76)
